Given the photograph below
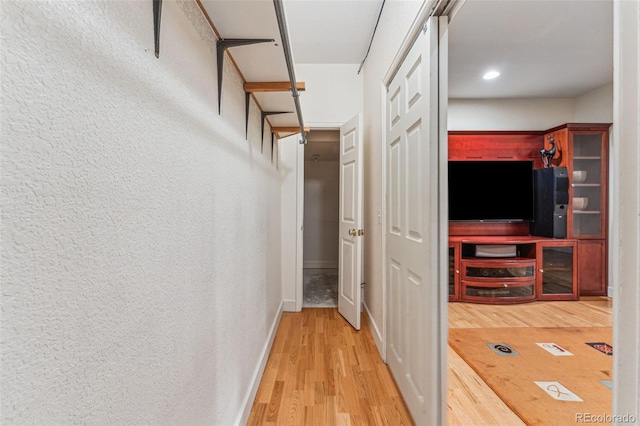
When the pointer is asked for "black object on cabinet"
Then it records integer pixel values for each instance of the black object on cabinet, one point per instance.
(551, 198)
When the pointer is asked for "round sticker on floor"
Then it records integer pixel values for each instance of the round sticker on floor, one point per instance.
(502, 349)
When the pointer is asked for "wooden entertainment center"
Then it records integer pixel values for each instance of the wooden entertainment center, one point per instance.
(540, 268)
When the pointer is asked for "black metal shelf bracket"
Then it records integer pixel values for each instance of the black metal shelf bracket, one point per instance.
(247, 105)
(264, 115)
(157, 12)
(225, 43)
(271, 147)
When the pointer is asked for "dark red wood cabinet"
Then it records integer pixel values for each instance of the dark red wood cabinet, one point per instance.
(545, 268)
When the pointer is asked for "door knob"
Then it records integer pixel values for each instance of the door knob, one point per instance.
(360, 231)
(353, 232)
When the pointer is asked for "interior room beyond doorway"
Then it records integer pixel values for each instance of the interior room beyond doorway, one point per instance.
(321, 202)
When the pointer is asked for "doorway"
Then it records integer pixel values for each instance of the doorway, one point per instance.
(321, 219)
(540, 86)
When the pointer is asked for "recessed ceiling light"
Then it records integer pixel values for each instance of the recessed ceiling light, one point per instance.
(491, 75)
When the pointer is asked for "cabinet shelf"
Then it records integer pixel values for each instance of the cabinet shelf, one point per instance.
(586, 185)
(586, 212)
(587, 158)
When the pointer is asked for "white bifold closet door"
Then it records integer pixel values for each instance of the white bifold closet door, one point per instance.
(415, 288)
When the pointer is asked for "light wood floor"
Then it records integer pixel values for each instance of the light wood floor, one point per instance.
(321, 371)
(470, 401)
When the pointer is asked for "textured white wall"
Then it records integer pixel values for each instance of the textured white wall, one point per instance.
(395, 22)
(140, 230)
(321, 204)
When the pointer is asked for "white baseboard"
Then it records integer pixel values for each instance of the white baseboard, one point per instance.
(247, 404)
(375, 332)
(320, 264)
(289, 305)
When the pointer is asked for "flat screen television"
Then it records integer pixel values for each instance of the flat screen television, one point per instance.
(497, 191)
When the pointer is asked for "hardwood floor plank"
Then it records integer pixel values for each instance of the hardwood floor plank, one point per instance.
(258, 414)
(330, 411)
(274, 403)
(470, 401)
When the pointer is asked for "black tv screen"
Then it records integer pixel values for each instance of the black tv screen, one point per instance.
(490, 190)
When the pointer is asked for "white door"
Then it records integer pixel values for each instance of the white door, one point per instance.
(351, 231)
(413, 163)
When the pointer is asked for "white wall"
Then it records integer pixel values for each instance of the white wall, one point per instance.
(531, 114)
(508, 114)
(291, 165)
(333, 93)
(394, 24)
(140, 230)
(321, 203)
(595, 106)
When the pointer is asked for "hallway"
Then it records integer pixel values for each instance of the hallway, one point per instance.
(153, 213)
(321, 371)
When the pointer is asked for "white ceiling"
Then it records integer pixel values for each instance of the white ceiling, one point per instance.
(543, 48)
(331, 31)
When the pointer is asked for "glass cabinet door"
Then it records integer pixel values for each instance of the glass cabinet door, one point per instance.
(454, 272)
(557, 271)
(587, 182)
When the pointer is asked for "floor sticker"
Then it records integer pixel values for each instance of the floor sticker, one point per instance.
(554, 349)
(559, 392)
(502, 349)
(603, 347)
(607, 383)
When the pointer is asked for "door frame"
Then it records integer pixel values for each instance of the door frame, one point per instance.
(299, 227)
(299, 283)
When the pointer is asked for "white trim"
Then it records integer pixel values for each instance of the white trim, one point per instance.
(375, 330)
(320, 264)
(428, 6)
(289, 305)
(383, 214)
(626, 118)
(247, 404)
(613, 276)
(443, 213)
(299, 226)
(328, 125)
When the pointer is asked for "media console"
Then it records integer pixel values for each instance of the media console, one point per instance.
(561, 249)
(542, 269)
